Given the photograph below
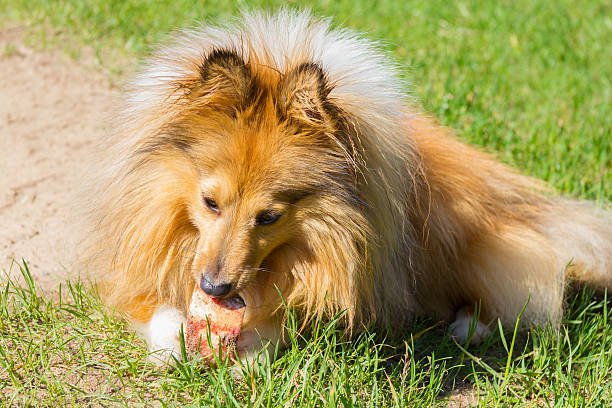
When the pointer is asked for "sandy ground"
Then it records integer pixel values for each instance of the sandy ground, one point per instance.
(52, 114)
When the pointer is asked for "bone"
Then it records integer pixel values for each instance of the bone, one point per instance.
(221, 319)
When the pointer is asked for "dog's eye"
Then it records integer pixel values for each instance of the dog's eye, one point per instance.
(211, 204)
(267, 217)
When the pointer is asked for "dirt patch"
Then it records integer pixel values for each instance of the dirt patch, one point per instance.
(52, 115)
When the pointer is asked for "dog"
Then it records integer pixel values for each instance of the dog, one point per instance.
(279, 160)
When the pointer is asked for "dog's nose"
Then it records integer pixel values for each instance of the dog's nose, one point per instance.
(211, 289)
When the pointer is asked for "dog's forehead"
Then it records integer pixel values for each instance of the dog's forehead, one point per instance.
(271, 178)
(258, 164)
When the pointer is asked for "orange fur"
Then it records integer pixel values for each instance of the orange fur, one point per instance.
(384, 214)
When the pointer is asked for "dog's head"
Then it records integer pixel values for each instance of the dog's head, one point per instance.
(275, 167)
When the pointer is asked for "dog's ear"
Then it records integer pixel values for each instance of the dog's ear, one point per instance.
(302, 96)
(225, 79)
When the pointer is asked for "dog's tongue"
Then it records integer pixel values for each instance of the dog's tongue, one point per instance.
(217, 319)
(230, 304)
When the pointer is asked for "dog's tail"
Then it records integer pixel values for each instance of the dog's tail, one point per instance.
(582, 234)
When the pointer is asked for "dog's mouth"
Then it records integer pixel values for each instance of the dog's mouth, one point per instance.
(232, 303)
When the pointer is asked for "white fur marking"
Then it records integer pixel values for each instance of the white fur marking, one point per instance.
(163, 334)
(465, 328)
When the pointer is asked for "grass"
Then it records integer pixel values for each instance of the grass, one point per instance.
(529, 80)
(69, 351)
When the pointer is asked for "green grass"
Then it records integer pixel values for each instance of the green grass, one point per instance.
(69, 351)
(529, 80)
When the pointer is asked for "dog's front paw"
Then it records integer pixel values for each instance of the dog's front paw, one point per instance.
(258, 344)
(254, 350)
(163, 335)
(467, 327)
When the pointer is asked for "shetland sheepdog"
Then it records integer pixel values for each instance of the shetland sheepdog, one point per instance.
(279, 160)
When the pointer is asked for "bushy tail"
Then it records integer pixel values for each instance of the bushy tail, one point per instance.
(582, 236)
